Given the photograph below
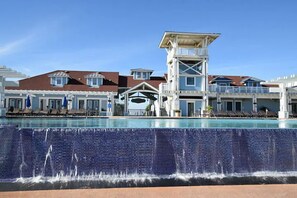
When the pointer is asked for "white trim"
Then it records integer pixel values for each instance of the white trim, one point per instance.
(14, 91)
(186, 81)
(143, 83)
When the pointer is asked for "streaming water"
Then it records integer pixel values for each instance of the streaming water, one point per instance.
(144, 154)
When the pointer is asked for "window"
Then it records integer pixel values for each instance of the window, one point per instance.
(16, 103)
(55, 103)
(144, 75)
(238, 106)
(104, 105)
(53, 80)
(190, 81)
(229, 106)
(252, 84)
(93, 104)
(94, 82)
(81, 104)
(223, 84)
(138, 75)
(58, 81)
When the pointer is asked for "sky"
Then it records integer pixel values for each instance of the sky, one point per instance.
(258, 38)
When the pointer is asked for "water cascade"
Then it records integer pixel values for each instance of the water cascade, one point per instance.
(95, 157)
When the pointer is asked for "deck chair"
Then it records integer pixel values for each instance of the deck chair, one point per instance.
(27, 112)
(54, 112)
(12, 112)
(72, 112)
(81, 112)
(63, 112)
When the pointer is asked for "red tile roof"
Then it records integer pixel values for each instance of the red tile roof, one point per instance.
(77, 82)
(128, 81)
(235, 80)
(111, 83)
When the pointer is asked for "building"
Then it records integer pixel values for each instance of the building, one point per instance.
(95, 92)
(189, 89)
(186, 90)
(4, 74)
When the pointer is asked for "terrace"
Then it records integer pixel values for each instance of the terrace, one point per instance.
(240, 89)
(165, 88)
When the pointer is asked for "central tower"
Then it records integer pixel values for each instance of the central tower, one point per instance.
(187, 66)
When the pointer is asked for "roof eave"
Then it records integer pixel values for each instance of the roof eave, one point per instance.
(164, 45)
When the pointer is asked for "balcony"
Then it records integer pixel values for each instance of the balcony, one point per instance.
(188, 52)
(235, 89)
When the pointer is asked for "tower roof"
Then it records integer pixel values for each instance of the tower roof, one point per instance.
(187, 38)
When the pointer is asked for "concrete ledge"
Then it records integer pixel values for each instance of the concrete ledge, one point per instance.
(261, 191)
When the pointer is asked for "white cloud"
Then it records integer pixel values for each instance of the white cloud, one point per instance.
(14, 46)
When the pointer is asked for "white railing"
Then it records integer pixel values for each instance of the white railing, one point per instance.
(188, 52)
(192, 51)
(235, 89)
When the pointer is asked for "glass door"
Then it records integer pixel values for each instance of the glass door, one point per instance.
(191, 109)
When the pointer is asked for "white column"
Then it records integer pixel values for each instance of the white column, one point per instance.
(219, 103)
(2, 97)
(111, 110)
(283, 113)
(290, 105)
(174, 74)
(204, 86)
(126, 104)
(255, 106)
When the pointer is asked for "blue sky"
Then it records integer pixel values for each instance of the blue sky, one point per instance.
(258, 38)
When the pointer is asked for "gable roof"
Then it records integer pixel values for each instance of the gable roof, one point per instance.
(128, 81)
(222, 78)
(252, 79)
(235, 80)
(76, 82)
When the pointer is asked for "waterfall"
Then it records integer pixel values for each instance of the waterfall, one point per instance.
(74, 154)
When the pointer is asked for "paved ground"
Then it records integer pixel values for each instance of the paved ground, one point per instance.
(238, 191)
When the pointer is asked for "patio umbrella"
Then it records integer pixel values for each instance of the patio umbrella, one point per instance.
(65, 102)
(28, 102)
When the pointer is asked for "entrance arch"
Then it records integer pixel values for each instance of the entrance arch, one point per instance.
(140, 93)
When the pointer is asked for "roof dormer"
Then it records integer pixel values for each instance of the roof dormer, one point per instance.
(94, 79)
(141, 74)
(221, 81)
(59, 79)
(251, 82)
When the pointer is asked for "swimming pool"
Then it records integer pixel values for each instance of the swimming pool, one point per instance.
(56, 153)
(146, 123)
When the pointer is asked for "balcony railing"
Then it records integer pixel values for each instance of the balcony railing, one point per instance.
(164, 87)
(235, 89)
(192, 52)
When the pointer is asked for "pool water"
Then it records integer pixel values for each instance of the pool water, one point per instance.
(146, 123)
